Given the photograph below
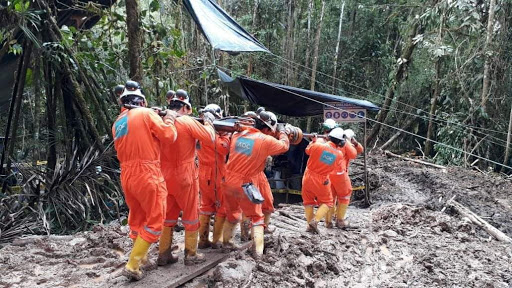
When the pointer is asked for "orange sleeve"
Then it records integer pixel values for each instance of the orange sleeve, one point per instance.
(359, 148)
(164, 131)
(310, 149)
(349, 151)
(222, 144)
(203, 133)
(275, 146)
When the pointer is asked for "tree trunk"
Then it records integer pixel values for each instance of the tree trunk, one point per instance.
(12, 106)
(308, 37)
(399, 75)
(509, 141)
(254, 19)
(315, 58)
(51, 108)
(437, 92)
(337, 50)
(433, 107)
(289, 42)
(37, 104)
(134, 40)
(408, 124)
(487, 65)
(19, 97)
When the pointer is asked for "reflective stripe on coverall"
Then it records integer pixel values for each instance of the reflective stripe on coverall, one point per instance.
(340, 181)
(248, 152)
(137, 137)
(180, 172)
(323, 160)
(209, 178)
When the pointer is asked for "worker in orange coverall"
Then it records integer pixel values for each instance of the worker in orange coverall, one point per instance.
(212, 167)
(267, 207)
(138, 134)
(248, 152)
(180, 173)
(324, 158)
(340, 180)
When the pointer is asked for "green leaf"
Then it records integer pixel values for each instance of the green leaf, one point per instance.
(154, 5)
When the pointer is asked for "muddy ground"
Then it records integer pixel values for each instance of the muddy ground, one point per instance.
(402, 240)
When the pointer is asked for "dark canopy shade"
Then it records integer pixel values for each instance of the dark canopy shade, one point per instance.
(283, 99)
(220, 29)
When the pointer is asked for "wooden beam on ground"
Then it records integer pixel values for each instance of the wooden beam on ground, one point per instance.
(177, 274)
(475, 219)
(388, 153)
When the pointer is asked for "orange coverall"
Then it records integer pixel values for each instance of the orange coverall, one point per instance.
(267, 206)
(340, 181)
(138, 134)
(248, 152)
(211, 157)
(323, 160)
(180, 172)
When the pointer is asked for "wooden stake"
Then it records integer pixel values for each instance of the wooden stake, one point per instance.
(464, 211)
(388, 153)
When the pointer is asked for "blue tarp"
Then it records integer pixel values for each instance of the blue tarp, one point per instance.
(286, 100)
(220, 29)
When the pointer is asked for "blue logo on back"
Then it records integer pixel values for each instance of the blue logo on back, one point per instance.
(244, 146)
(121, 127)
(327, 158)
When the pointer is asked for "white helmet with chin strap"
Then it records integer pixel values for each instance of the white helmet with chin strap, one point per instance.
(270, 119)
(349, 134)
(337, 136)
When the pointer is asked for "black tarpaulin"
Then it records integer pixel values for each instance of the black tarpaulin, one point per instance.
(286, 100)
(220, 29)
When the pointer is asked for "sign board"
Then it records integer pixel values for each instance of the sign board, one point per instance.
(344, 112)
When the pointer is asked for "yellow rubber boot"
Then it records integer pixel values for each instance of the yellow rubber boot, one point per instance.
(320, 213)
(308, 210)
(132, 268)
(267, 229)
(258, 241)
(165, 255)
(191, 255)
(218, 226)
(204, 232)
(227, 235)
(328, 218)
(144, 259)
(342, 211)
(244, 229)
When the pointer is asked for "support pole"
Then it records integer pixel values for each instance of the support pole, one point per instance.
(366, 185)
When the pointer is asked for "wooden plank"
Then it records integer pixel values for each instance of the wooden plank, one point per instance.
(177, 274)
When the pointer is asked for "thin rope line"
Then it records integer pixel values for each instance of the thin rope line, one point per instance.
(389, 126)
(501, 142)
(383, 96)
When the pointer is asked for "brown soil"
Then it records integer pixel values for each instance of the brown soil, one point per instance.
(402, 240)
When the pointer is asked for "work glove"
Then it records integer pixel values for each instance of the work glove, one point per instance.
(208, 118)
(281, 128)
(353, 141)
(170, 115)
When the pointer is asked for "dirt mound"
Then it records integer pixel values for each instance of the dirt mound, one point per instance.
(401, 246)
(402, 240)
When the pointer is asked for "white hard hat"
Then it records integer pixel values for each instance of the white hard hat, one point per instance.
(337, 133)
(215, 109)
(349, 133)
(269, 118)
(135, 92)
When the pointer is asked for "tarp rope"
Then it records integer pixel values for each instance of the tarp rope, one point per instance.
(382, 96)
(389, 126)
(459, 126)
